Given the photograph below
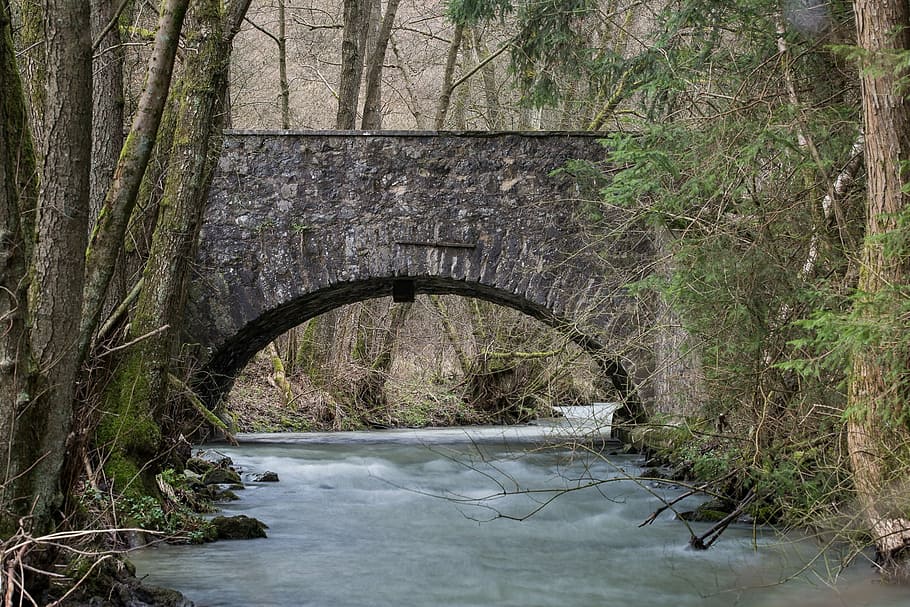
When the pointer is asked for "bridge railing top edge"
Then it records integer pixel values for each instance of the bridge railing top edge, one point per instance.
(403, 133)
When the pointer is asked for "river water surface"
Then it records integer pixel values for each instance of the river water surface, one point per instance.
(482, 518)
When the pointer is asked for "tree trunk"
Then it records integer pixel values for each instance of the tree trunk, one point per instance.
(372, 105)
(285, 90)
(107, 238)
(413, 99)
(107, 110)
(490, 85)
(29, 37)
(378, 344)
(58, 262)
(279, 375)
(356, 22)
(448, 76)
(877, 429)
(17, 199)
(141, 226)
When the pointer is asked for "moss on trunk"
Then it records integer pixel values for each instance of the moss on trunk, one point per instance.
(128, 434)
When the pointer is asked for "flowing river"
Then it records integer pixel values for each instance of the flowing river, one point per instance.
(481, 518)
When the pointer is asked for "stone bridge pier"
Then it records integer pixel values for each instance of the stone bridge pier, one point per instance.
(300, 223)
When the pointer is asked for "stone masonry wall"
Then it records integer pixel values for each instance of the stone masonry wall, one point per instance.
(300, 223)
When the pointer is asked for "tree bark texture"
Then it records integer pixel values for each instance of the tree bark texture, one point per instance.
(490, 85)
(58, 262)
(29, 37)
(107, 238)
(356, 22)
(17, 184)
(448, 77)
(107, 99)
(141, 226)
(877, 432)
(372, 104)
(284, 88)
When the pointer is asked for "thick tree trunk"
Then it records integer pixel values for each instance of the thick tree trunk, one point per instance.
(29, 37)
(55, 292)
(356, 22)
(877, 430)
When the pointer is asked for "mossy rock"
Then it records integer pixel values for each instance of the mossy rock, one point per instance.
(112, 583)
(226, 496)
(199, 465)
(134, 592)
(214, 457)
(220, 476)
(240, 527)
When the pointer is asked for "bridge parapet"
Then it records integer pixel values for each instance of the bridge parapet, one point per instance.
(300, 223)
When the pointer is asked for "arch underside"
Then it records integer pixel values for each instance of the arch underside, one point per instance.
(230, 357)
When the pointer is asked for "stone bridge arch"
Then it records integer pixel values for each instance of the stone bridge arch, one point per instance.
(300, 223)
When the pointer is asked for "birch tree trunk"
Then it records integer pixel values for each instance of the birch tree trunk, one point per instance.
(877, 430)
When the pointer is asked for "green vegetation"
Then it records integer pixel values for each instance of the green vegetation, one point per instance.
(754, 196)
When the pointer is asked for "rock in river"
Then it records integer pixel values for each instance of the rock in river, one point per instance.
(238, 527)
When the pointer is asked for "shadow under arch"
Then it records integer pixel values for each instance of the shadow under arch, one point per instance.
(225, 360)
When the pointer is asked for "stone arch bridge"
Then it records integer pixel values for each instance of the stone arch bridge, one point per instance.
(300, 223)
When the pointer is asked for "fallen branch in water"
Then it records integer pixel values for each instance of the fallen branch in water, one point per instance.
(703, 542)
(695, 490)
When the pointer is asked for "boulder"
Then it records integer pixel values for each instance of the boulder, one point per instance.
(199, 465)
(238, 527)
(214, 457)
(225, 496)
(113, 583)
(220, 476)
(263, 477)
(134, 593)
